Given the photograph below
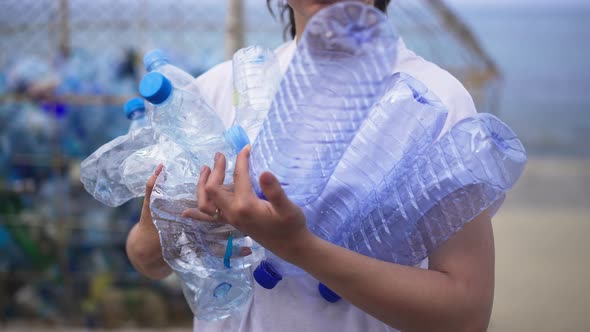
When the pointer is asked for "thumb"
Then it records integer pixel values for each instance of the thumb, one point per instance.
(150, 186)
(274, 193)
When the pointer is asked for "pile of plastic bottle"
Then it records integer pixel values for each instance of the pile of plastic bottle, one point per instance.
(358, 148)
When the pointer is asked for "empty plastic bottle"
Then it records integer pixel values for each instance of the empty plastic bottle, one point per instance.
(407, 119)
(336, 75)
(219, 294)
(158, 61)
(431, 196)
(215, 280)
(29, 131)
(256, 76)
(135, 112)
(100, 171)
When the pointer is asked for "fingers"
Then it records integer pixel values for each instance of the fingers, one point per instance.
(274, 193)
(218, 173)
(205, 205)
(243, 185)
(218, 194)
(149, 187)
(198, 215)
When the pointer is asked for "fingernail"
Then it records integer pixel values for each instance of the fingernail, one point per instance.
(159, 169)
(203, 169)
(217, 156)
(266, 179)
(248, 147)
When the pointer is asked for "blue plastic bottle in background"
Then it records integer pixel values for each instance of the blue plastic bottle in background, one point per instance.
(337, 73)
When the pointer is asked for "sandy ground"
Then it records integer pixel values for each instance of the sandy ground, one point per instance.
(542, 251)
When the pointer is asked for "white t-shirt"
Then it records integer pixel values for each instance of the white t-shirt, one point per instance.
(295, 305)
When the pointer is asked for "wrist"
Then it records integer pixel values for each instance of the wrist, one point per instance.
(301, 248)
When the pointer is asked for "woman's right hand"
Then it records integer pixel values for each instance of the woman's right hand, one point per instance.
(143, 243)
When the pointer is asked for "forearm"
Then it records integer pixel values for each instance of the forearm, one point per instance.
(405, 298)
(145, 252)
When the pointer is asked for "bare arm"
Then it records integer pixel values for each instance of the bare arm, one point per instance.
(456, 294)
(143, 243)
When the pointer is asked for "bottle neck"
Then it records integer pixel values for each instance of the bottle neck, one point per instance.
(157, 64)
(137, 115)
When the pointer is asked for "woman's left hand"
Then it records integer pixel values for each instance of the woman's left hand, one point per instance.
(277, 224)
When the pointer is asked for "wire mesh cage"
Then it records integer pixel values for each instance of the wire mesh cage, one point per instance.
(66, 67)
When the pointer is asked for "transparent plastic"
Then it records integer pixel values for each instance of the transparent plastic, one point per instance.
(256, 76)
(100, 171)
(337, 73)
(428, 197)
(158, 61)
(406, 120)
(216, 279)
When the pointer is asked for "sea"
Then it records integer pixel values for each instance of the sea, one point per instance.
(544, 58)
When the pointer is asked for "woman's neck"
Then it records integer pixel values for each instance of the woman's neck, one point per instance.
(300, 23)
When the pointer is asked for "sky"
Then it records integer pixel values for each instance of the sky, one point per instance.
(519, 3)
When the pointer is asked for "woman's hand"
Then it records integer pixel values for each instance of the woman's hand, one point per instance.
(277, 224)
(143, 242)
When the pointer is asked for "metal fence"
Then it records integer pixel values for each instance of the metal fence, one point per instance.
(63, 240)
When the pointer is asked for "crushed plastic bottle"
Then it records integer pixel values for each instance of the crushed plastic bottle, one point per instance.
(256, 76)
(337, 73)
(431, 196)
(100, 171)
(407, 118)
(216, 281)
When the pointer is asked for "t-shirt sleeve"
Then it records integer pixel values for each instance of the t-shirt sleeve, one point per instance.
(446, 87)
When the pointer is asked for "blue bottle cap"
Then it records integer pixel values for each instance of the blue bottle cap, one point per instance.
(236, 137)
(153, 57)
(134, 105)
(266, 275)
(328, 294)
(155, 88)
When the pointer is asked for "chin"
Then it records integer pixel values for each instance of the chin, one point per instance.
(307, 8)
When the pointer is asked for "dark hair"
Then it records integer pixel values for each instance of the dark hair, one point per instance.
(286, 10)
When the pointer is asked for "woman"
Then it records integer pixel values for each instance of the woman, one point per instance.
(453, 291)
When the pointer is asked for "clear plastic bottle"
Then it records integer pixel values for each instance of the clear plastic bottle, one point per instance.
(100, 171)
(407, 119)
(158, 61)
(183, 117)
(256, 76)
(216, 282)
(432, 195)
(136, 113)
(337, 73)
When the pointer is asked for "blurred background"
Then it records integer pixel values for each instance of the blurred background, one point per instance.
(67, 66)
